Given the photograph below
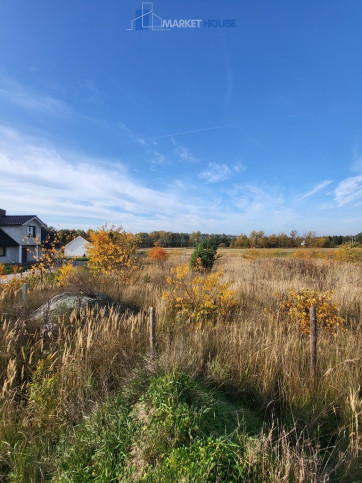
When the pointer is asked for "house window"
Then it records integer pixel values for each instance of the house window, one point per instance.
(31, 231)
(2, 252)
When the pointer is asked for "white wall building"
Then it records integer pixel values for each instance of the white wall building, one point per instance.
(76, 248)
(20, 238)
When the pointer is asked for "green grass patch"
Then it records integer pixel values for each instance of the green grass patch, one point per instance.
(174, 429)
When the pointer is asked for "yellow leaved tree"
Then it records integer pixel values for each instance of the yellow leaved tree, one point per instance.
(199, 297)
(112, 250)
(297, 304)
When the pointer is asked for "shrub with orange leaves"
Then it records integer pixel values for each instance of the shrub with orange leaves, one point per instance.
(297, 305)
(112, 249)
(157, 254)
(199, 297)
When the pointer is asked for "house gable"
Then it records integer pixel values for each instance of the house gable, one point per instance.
(19, 233)
(76, 248)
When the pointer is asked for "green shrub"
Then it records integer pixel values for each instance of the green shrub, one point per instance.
(204, 255)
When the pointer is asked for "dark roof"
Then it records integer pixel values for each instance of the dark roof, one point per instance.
(86, 237)
(17, 219)
(6, 240)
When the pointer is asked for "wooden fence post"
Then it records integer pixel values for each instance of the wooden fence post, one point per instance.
(152, 329)
(313, 339)
(24, 293)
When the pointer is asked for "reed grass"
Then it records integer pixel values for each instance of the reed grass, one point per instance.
(51, 381)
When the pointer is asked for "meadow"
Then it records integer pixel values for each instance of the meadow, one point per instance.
(227, 394)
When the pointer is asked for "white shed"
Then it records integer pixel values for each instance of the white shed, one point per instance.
(76, 248)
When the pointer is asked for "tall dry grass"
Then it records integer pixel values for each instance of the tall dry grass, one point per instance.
(51, 380)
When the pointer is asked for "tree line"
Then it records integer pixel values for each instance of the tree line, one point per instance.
(256, 239)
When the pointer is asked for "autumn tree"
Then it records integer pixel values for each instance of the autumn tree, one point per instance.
(294, 238)
(145, 240)
(242, 241)
(322, 242)
(310, 239)
(66, 235)
(195, 238)
(157, 254)
(272, 241)
(283, 240)
(112, 249)
(256, 239)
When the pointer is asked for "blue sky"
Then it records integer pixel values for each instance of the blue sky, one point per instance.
(212, 129)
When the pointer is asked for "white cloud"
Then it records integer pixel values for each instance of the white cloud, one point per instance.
(316, 188)
(256, 200)
(215, 173)
(72, 189)
(349, 190)
(239, 167)
(35, 177)
(75, 190)
(220, 172)
(158, 158)
(14, 93)
(183, 152)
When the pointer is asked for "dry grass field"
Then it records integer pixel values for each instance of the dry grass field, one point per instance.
(59, 387)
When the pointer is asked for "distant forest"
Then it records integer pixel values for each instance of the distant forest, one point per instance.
(256, 239)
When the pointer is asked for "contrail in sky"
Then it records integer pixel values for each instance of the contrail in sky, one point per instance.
(191, 131)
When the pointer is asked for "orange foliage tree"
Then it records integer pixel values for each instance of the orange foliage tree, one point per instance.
(112, 249)
(157, 254)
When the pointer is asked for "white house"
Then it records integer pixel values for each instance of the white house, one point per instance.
(76, 248)
(20, 238)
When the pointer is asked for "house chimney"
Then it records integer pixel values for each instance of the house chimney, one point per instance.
(2, 212)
